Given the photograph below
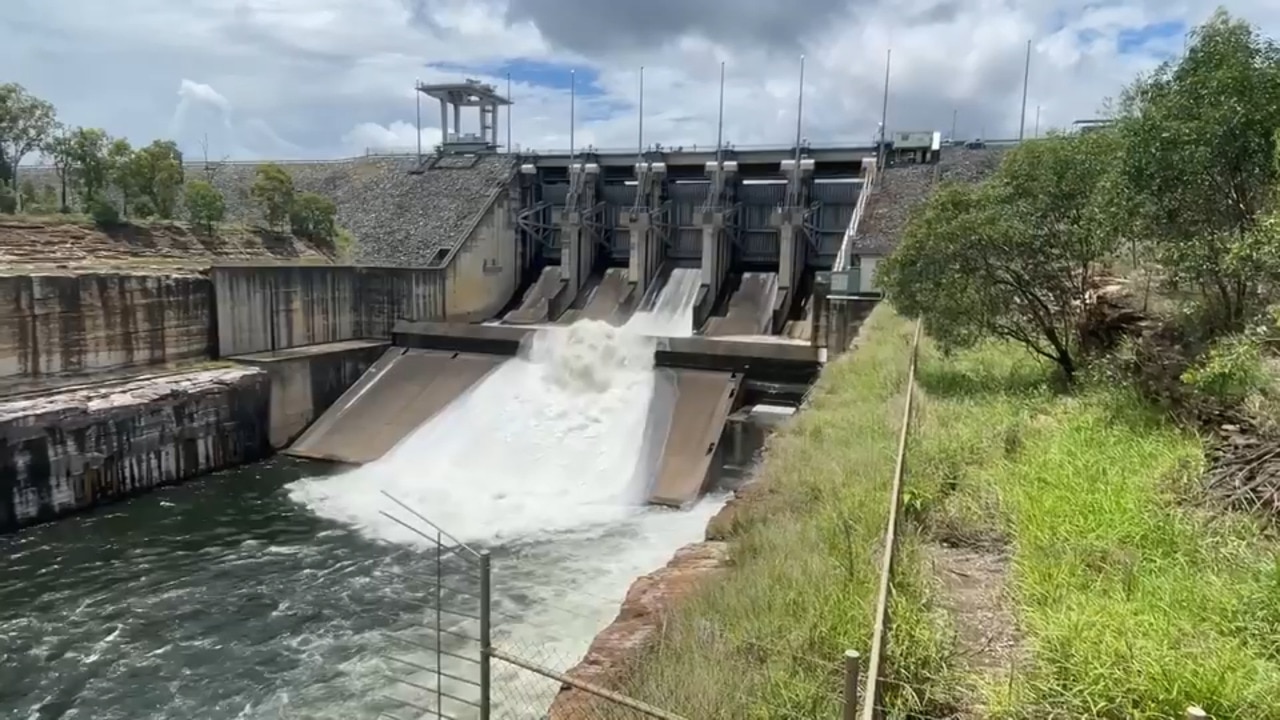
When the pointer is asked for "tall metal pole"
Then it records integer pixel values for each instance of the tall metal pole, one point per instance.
(800, 109)
(573, 111)
(954, 114)
(486, 637)
(720, 119)
(884, 107)
(1037, 133)
(640, 130)
(417, 100)
(509, 104)
(1026, 77)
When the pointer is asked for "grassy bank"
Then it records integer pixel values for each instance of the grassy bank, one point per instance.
(767, 640)
(1131, 603)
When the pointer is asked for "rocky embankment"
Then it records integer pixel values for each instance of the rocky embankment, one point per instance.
(644, 611)
(902, 189)
(397, 218)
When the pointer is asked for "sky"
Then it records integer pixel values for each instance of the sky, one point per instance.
(314, 79)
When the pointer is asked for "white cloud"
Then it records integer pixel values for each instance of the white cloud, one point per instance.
(320, 78)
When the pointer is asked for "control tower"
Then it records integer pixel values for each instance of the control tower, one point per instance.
(468, 94)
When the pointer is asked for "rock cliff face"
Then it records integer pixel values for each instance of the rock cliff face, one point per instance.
(69, 324)
(76, 449)
(643, 611)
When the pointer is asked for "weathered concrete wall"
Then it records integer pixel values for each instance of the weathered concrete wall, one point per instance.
(63, 324)
(69, 451)
(306, 381)
(485, 272)
(261, 308)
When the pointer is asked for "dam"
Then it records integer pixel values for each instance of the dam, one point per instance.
(569, 366)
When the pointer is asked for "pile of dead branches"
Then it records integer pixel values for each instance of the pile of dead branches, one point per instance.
(1244, 473)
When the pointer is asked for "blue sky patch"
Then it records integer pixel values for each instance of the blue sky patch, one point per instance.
(1133, 40)
(555, 76)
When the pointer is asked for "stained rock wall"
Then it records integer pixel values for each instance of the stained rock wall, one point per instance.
(79, 324)
(69, 451)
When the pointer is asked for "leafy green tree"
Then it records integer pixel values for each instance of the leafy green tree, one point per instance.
(314, 217)
(58, 150)
(1198, 141)
(119, 158)
(205, 205)
(273, 190)
(89, 166)
(1014, 257)
(157, 174)
(26, 123)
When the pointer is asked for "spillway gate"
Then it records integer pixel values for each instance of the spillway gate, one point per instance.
(458, 664)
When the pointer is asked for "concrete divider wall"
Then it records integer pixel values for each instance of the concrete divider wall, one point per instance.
(306, 381)
(261, 308)
(70, 324)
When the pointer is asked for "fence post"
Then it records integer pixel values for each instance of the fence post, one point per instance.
(486, 639)
(1195, 713)
(852, 668)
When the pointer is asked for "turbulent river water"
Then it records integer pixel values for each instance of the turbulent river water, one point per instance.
(277, 590)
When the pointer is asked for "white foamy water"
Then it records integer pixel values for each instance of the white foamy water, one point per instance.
(553, 441)
(550, 457)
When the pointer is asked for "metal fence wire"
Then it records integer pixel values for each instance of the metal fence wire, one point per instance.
(456, 665)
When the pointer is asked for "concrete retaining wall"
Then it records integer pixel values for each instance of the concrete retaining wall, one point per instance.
(306, 381)
(262, 308)
(69, 451)
(66, 324)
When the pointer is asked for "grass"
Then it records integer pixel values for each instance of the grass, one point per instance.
(1131, 603)
(767, 640)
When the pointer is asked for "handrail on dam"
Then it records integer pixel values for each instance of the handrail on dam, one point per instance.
(851, 232)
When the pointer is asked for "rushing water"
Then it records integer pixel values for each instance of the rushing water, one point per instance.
(270, 592)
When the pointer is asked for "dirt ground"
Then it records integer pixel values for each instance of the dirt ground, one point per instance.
(48, 243)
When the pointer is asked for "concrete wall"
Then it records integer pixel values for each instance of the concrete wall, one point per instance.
(62, 324)
(261, 308)
(70, 451)
(485, 272)
(306, 381)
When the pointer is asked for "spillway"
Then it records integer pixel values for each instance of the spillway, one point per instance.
(568, 435)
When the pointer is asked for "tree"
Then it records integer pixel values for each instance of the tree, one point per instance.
(89, 167)
(314, 217)
(157, 172)
(26, 123)
(119, 159)
(1198, 141)
(273, 190)
(59, 152)
(1014, 257)
(205, 205)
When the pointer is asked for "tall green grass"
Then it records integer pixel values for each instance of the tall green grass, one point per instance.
(766, 641)
(1132, 604)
